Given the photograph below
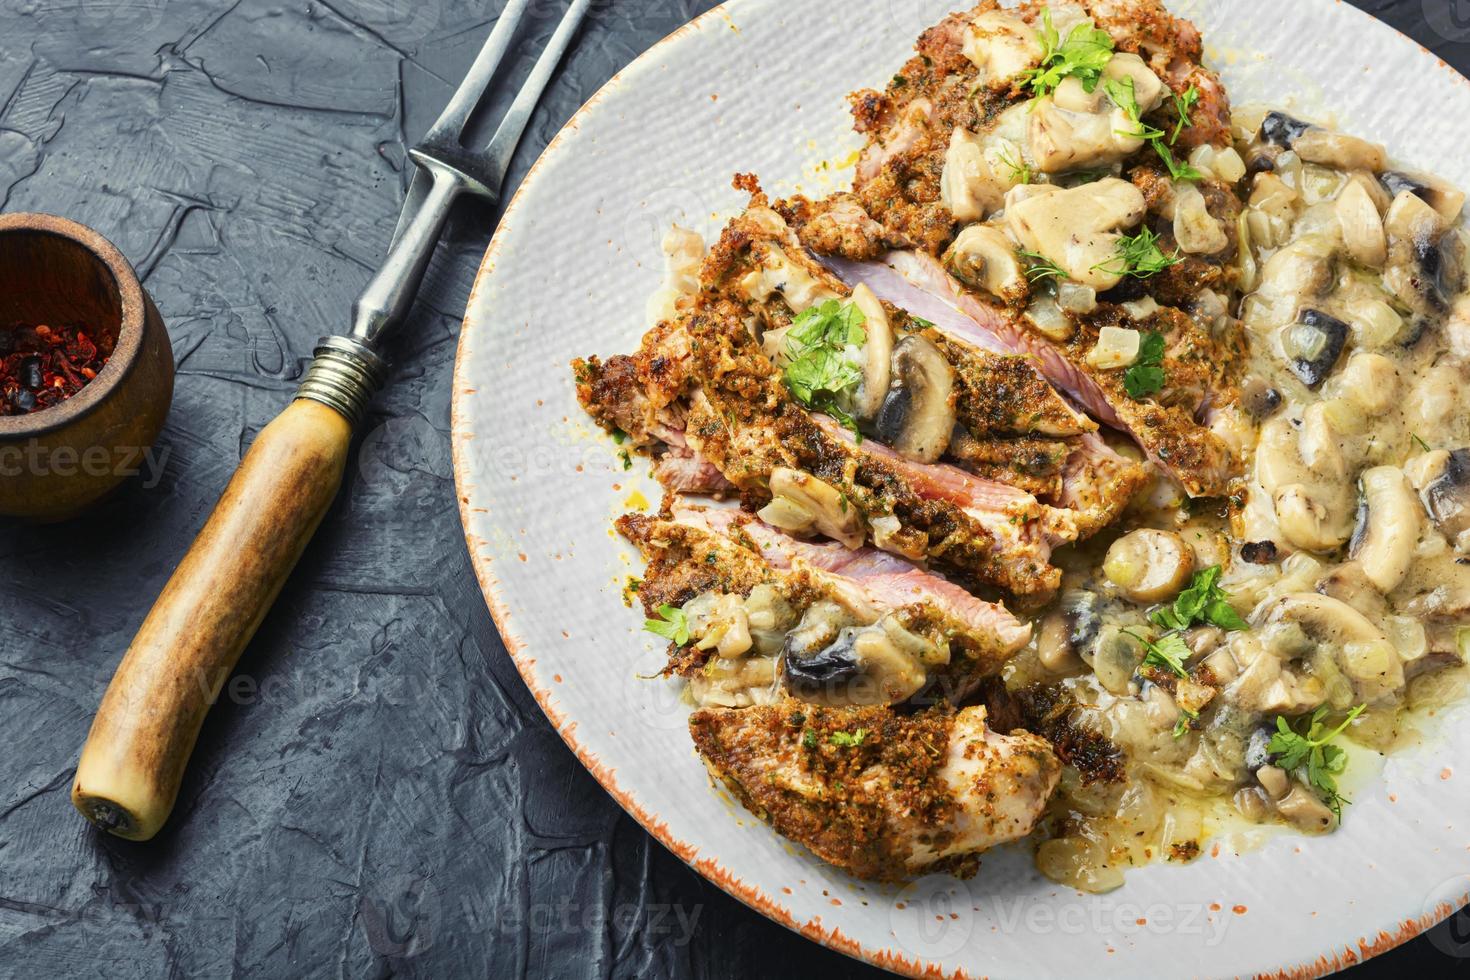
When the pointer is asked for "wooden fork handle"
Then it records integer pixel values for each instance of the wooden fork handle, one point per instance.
(144, 731)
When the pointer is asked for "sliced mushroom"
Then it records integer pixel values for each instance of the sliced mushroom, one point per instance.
(1313, 344)
(1148, 88)
(877, 353)
(1259, 398)
(918, 415)
(1078, 127)
(1363, 652)
(1149, 565)
(1308, 520)
(1063, 140)
(808, 673)
(1321, 443)
(1425, 265)
(1001, 45)
(862, 665)
(1195, 229)
(1370, 381)
(1305, 811)
(1448, 200)
(1389, 524)
(1079, 229)
(803, 504)
(1298, 273)
(777, 273)
(1445, 490)
(1266, 686)
(1114, 659)
(966, 187)
(1362, 226)
(1339, 150)
(1314, 144)
(1069, 632)
(1259, 552)
(1276, 782)
(1280, 130)
(982, 257)
(1349, 583)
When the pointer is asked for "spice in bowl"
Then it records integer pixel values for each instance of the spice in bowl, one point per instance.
(43, 365)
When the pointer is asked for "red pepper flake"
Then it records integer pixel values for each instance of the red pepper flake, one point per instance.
(42, 365)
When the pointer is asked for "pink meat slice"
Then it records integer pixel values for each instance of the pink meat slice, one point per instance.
(1001, 509)
(684, 471)
(888, 581)
(925, 273)
(936, 482)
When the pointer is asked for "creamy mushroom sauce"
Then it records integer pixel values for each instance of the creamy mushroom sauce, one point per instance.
(1347, 547)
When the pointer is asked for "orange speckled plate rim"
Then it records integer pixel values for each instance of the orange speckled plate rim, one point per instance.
(1352, 953)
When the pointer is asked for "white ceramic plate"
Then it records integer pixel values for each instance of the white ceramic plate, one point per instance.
(759, 86)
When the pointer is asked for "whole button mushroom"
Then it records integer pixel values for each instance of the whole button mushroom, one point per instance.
(1149, 565)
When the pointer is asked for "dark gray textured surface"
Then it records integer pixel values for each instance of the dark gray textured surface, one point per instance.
(379, 794)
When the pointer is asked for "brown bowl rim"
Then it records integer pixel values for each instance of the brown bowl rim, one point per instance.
(129, 334)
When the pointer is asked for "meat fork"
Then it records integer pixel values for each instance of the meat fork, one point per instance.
(133, 761)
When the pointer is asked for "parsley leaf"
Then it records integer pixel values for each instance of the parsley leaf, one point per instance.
(1042, 267)
(1139, 256)
(846, 740)
(1146, 375)
(1125, 97)
(1181, 725)
(1184, 105)
(673, 625)
(1178, 169)
(1169, 652)
(1414, 436)
(1202, 602)
(824, 357)
(809, 739)
(1292, 750)
(1020, 173)
(1084, 54)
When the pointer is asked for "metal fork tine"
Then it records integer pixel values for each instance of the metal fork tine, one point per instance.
(450, 125)
(508, 134)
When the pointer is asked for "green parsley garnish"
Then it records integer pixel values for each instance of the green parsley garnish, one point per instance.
(1146, 375)
(1084, 54)
(1139, 256)
(1178, 169)
(1125, 97)
(1020, 172)
(1203, 602)
(673, 625)
(627, 460)
(1183, 105)
(1182, 724)
(1123, 94)
(824, 359)
(1419, 442)
(809, 739)
(1042, 267)
(920, 322)
(1168, 652)
(1324, 762)
(847, 741)
(619, 437)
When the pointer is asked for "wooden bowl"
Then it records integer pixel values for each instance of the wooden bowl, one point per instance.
(56, 462)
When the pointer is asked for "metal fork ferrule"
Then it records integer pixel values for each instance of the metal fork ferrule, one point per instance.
(345, 375)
